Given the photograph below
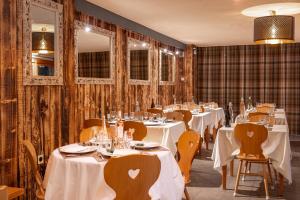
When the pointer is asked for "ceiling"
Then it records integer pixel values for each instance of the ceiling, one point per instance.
(199, 22)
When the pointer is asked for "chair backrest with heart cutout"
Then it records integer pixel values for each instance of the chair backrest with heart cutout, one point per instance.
(251, 136)
(187, 146)
(140, 130)
(257, 116)
(174, 116)
(155, 111)
(187, 116)
(132, 176)
(93, 122)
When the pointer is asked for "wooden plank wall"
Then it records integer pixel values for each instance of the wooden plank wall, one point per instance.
(51, 116)
(8, 93)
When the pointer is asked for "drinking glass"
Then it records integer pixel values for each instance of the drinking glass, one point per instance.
(146, 116)
(113, 115)
(131, 115)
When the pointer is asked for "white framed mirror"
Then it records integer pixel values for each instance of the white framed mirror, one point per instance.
(43, 42)
(138, 62)
(167, 67)
(94, 53)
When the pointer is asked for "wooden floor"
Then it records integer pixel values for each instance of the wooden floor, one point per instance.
(206, 182)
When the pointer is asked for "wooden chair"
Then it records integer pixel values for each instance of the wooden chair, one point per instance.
(187, 116)
(177, 116)
(87, 134)
(93, 122)
(140, 130)
(8, 193)
(132, 176)
(155, 111)
(32, 156)
(188, 145)
(202, 109)
(268, 104)
(264, 109)
(257, 116)
(251, 136)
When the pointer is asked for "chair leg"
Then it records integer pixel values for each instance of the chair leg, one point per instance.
(238, 178)
(275, 175)
(245, 170)
(187, 196)
(249, 170)
(231, 167)
(265, 181)
(270, 173)
(214, 134)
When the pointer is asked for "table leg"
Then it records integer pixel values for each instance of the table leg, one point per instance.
(231, 167)
(224, 176)
(206, 137)
(281, 185)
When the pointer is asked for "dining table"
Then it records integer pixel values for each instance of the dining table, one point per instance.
(276, 148)
(166, 134)
(201, 121)
(81, 177)
(218, 115)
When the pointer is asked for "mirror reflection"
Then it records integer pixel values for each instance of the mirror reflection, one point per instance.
(93, 54)
(167, 66)
(43, 37)
(138, 60)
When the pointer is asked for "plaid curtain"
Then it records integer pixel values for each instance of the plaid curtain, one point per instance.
(139, 64)
(267, 73)
(166, 67)
(94, 64)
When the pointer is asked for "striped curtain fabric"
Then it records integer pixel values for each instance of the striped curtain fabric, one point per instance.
(267, 73)
(139, 64)
(94, 64)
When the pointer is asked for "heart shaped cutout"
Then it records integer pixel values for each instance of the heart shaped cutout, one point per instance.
(133, 173)
(250, 134)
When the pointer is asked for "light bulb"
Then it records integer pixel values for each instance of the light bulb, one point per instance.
(87, 29)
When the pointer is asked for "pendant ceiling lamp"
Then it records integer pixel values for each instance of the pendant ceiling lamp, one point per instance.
(274, 29)
(42, 42)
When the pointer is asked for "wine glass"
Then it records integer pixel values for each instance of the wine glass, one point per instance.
(125, 116)
(113, 115)
(131, 115)
(146, 116)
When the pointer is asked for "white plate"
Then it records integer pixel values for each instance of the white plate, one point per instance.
(149, 123)
(144, 145)
(77, 149)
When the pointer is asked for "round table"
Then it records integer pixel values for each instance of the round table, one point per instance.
(82, 178)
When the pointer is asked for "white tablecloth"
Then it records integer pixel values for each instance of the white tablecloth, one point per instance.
(280, 118)
(279, 111)
(82, 178)
(199, 122)
(218, 115)
(166, 135)
(276, 147)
